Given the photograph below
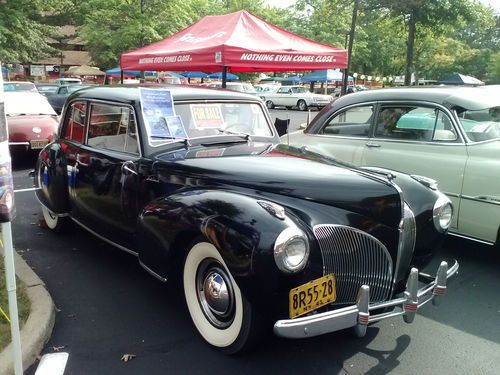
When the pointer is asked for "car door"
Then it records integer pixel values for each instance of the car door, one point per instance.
(104, 190)
(342, 136)
(480, 207)
(282, 97)
(421, 139)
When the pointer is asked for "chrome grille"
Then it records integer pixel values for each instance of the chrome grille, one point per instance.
(407, 238)
(355, 258)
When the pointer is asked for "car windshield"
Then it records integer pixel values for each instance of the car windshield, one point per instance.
(46, 89)
(481, 125)
(27, 104)
(19, 86)
(198, 120)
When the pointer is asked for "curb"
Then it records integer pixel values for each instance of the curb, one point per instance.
(38, 328)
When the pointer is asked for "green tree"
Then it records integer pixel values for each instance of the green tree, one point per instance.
(111, 27)
(24, 37)
(436, 14)
(494, 68)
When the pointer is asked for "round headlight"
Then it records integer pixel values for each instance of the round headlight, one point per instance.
(442, 213)
(291, 250)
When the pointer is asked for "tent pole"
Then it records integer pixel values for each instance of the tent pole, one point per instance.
(121, 76)
(224, 76)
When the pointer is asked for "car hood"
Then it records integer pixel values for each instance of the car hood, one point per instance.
(289, 171)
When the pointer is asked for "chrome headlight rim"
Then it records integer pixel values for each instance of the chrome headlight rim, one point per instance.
(442, 205)
(287, 237)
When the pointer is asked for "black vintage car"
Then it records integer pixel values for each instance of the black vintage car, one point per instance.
(193, 181)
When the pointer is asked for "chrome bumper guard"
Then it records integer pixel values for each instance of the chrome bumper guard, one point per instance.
(358, 316)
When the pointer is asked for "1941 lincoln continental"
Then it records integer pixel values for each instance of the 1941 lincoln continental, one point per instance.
(194, 183)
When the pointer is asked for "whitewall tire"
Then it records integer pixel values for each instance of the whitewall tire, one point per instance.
(220, 313)
(53, 222)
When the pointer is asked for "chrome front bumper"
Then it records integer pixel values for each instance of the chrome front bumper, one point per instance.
(358, 316)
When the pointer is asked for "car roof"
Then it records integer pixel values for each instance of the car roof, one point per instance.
(130, 94)
(471, 98)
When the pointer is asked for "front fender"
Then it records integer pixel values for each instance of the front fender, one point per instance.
(236, 224)
(51, 179)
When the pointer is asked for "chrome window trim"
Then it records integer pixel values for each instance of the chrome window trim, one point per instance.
(451, 115)
(343, 109)
(64, 120)
(90, 102)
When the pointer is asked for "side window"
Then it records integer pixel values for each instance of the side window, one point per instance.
(353, 122)
(283, 90)
(112, 127)
(414, 123)
(75, 122)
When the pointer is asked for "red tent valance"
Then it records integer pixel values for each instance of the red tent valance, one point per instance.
(239, 41)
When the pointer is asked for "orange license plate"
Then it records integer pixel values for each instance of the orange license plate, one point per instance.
(313, 295)
(38, 143)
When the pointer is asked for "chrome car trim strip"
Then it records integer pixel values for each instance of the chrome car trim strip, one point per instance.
(28, 189)
(359, 315)
(406, 243)
(355, 258)
(470, 238)
(151, 272)
(53, 213)
(105, 239)
(19, 143)
(483, 198)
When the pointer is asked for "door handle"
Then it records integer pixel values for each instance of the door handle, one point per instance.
(82, 160)
(128, 168)
(372, 144)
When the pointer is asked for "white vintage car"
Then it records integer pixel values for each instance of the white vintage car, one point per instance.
(450, 134)
(296, 96)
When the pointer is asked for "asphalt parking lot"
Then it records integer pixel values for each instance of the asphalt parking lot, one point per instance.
(109, 306)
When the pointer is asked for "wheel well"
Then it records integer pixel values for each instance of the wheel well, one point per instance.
(179, 248)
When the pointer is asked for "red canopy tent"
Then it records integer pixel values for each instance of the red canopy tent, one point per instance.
(239, 42)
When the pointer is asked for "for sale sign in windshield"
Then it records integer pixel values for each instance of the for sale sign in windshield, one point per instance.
(7, 208)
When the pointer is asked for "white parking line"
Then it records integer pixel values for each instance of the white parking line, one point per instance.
(23, 190)
(52, 364)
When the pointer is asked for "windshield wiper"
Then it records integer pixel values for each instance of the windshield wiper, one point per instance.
(178, 141)
(245, 136)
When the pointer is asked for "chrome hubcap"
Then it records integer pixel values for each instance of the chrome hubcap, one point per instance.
(215, 293)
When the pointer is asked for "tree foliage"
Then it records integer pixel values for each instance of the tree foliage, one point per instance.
(23, 33)
(448, 35)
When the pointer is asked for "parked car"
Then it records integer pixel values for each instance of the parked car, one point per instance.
(447, 133)
(247, 88)
(296, 96)
(58, 99)
(19, 86)
(46, 89)
(259, 232)
(31, 121)
(68, 81)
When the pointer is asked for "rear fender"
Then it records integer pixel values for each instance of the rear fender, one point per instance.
(51, 179)
(237, 225)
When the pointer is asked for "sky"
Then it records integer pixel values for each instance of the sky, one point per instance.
(495, 4)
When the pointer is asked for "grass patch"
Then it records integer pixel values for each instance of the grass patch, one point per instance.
(23, 306)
